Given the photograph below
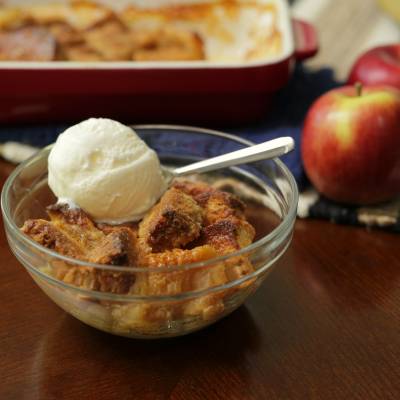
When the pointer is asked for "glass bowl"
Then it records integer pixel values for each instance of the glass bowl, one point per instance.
(268, 189)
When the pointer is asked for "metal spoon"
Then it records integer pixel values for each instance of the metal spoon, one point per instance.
(263, 151)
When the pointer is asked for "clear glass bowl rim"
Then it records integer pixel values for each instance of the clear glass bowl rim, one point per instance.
(280, 231)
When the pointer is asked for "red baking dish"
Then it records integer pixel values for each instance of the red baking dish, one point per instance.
(189, 91)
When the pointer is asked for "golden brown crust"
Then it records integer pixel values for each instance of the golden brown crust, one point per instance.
(65, 34)
(167, 43)
(84, 31)
(173, 223)
(229, 234)
(79, 52)
(79, 15)
(44, 233)
(217, 204)
(70, 232)
(225, 226)
(111, 40)
(13, 18)
(192, 222)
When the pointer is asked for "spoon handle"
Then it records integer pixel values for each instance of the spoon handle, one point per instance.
(270, 149)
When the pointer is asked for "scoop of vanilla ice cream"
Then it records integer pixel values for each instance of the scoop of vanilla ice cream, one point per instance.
(103, 167)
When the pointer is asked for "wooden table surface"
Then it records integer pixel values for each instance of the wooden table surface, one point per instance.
(324, 325)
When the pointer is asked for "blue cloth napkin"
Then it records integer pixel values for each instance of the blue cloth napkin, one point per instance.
(284, 119)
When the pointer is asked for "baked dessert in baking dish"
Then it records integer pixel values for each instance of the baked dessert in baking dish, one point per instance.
(225, 30)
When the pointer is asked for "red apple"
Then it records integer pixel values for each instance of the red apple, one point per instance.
(351, 144)
(378, 66)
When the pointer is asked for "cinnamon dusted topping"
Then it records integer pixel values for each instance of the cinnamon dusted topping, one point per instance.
(172, 223)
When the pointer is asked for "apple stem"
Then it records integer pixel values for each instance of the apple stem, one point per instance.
(359, 87)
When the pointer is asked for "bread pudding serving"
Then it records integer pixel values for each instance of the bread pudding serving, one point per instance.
(192, 222)
(189, 223)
